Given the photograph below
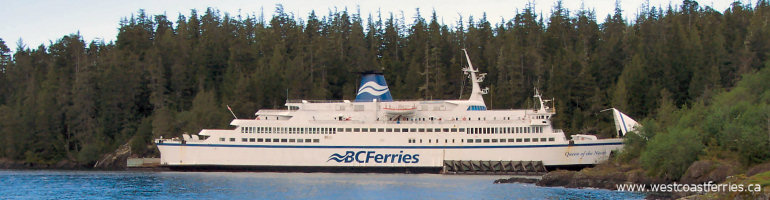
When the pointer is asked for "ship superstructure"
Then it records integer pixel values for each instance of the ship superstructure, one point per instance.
(376, 133)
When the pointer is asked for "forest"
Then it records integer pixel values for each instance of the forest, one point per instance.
(76, 100)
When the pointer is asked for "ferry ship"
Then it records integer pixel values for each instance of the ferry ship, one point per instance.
(375, 133)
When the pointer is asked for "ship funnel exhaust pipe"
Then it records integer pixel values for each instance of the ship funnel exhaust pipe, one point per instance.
(373, 87)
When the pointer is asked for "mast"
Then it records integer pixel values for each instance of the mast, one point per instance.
(476, 90)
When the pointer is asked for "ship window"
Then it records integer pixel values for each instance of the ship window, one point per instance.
(380, 130)
(462, 129)
(446, 130)
(453, 129)
(470, 140)
(339, 129)
(494, 140)
(453, 140)
(348, 130)
(292, 140)
(551, 139)
(268, 140)
(405, 130)
(534, 140)
(221, 139)
(412, 130)
(260, 140)
(518, 139)
(420, 140)
(251, 140)
(316, 140)
(299, 140)
(526, 139)
(478, 140)
(308, 140)
(389, 130)
(356, 130)
(429, 140)
(429, 130)
(284, 140)
(396, 130)
(510, 140)
(437, 130)
(421, 130)
(486, 140)
(364, 130)
(232, 139)
(542, 139)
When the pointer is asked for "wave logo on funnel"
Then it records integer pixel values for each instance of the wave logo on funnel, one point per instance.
(373, 87)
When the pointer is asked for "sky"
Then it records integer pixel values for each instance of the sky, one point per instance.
(38, 22)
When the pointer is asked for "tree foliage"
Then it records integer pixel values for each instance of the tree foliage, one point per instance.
(75, 100)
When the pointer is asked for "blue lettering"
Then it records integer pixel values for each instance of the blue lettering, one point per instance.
(358, 158)
(407, 158)
(353, 156)
(369, 155)
(349, 156)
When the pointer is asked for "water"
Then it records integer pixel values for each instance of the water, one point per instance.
(26, 184)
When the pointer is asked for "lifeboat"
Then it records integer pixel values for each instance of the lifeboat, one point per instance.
(400, 110)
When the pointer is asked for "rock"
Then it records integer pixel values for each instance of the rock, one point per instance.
(559, 178)
(11, 164)
(115, 160)
(516, 180)
(67, 164)
(707, 170)
(758, 169)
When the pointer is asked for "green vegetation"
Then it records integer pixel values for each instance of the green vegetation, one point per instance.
(75, 100)
(734, 124)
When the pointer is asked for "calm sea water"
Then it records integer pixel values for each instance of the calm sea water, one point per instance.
(27, 184)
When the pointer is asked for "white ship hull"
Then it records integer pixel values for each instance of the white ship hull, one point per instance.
(310, 156)
(375, 132)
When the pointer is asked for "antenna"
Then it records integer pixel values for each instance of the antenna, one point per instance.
(231, 111)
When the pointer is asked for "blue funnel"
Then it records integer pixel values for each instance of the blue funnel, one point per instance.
(373, 86)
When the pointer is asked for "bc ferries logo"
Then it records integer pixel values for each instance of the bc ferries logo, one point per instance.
(373, 88)
(373, 156)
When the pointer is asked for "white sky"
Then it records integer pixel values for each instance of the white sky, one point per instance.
(43, 21)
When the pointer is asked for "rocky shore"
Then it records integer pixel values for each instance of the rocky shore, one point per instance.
(111, 161)
(609, 175)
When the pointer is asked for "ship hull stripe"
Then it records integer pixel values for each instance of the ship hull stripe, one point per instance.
(388, 147)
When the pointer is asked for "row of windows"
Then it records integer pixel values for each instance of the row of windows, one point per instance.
(441, 119)
(486, 140)
(284, 140)
(313, 130)
(404, 130)
(511, 140)
(496, 130)
(289, 130)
